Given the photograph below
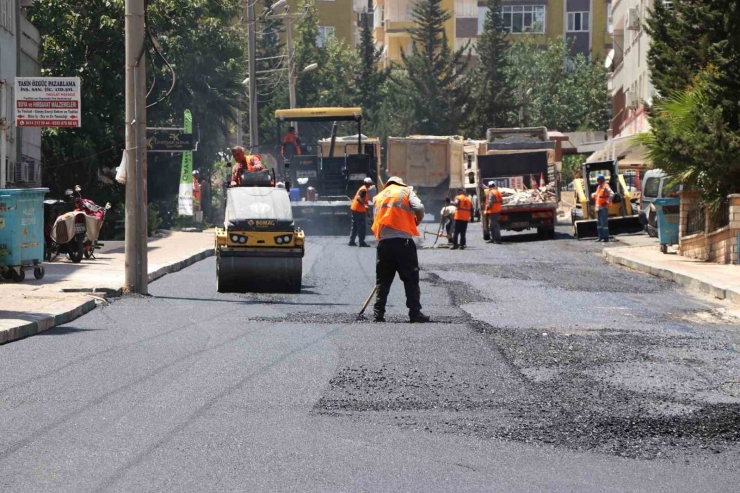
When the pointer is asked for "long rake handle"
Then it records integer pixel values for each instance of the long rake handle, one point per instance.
(367, 301)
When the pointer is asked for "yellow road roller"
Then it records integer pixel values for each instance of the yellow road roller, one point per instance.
(259, 249)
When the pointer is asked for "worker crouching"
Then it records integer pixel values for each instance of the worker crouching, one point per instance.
(360, 211)
(398, 212)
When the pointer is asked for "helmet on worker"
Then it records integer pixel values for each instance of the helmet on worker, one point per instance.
(600, 178)
(492, 184)
(368, 181)
(395, 180)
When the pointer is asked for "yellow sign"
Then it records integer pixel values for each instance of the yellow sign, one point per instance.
(265, 223)
(29, 245)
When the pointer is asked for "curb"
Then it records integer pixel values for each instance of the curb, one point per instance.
(46, 323)
(682, 279)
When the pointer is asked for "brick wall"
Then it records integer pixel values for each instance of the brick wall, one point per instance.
(720, 246)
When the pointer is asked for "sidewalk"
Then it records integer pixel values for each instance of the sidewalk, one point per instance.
(69, 290)
(642, 253)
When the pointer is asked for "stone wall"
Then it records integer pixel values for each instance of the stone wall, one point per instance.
(720, 246)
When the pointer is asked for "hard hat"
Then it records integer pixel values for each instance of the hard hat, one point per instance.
(368, 180)
(258, 166)
(492, 184)
(600, 177)
(395, 180)
(196, 172)
(280, 184)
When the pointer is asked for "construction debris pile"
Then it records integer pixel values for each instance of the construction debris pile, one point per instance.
(542, 195)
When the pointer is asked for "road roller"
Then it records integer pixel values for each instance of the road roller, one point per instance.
(259, 249)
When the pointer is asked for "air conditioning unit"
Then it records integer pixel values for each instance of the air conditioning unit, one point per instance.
(633, 19)
(669, 6)
(633, 102)
(19, 172)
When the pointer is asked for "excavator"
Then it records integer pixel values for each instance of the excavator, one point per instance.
(326, 181)
(623, 218)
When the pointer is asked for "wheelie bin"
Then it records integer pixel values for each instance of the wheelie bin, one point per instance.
(22, 232)
(669, 216)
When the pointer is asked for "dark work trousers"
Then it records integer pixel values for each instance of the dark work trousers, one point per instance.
(461, 230)
(397, 255)
(359, 226)
(494, 227)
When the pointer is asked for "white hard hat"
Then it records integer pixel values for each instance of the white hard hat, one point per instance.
(196, 172)
(368, 180)
(280, 184)
(491, 183)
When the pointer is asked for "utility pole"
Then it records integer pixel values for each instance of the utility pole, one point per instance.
(136, 195)
(292, 76)
(253, 102)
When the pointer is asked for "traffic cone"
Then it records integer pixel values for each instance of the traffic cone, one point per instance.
(533, 181)
(542, 180)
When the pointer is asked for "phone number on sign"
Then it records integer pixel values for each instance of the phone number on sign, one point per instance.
(48, 123)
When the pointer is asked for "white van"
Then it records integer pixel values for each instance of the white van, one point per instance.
(656, 184)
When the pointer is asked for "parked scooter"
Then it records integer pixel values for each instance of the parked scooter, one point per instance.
(76, 233)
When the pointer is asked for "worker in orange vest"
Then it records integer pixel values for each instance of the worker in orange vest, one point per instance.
(291, 144)
(244, 163)
(196, 190)
(360, 210)
(398, 212)
(602, 198)
(462, 217)
(493, 211)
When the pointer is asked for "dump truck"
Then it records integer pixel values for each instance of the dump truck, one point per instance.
(259, 248)
(326, 181)
(427, 163)
(468, 172)
(521, 163)
(623, 218)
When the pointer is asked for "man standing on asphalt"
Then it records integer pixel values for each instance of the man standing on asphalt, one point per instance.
(398, 212)
(462, 218)
(493, 210)
(602, 197)
(360, 212)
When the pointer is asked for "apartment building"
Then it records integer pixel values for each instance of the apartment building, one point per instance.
(583, 22)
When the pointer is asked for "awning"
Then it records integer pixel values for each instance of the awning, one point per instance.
(629, 153)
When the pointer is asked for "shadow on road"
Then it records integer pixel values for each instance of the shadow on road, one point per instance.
(254, 302)
(64, 330)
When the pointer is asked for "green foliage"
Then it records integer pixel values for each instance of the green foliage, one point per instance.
(572, 164)
(85, 38)
(566, 92)
(368, 78)
(692, 140)
(695, 119)
(438, 86)
(492, 90)
(272, 87)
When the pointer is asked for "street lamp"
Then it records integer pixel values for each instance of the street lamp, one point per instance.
(278, 4)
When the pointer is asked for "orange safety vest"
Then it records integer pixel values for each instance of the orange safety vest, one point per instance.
(602, 195)
(196, 189)
(291, 139)
(359, 204)
(494, 200)
(394, 211)
(464, 208)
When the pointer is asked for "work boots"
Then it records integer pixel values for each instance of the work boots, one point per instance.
(418, 318)
(378, 316)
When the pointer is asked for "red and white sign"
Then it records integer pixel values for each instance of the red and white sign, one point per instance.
(48, 102)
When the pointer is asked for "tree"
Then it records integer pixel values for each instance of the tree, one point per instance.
(492, 90)
(272, 87)
(86, 39)
(368, 78)
(695, 118)
(438, 85)
(556, 89)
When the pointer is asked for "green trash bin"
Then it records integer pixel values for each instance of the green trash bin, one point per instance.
(22, 232)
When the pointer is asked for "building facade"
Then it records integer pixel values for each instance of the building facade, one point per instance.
(19, 50)
(583, 22)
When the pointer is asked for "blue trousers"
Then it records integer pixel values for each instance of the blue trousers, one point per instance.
(602, 221)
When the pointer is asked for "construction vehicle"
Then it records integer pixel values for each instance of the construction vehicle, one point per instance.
(469, 174)
(519, 159)
(431, 164)
(326, 181)
(623, 218)
(259, 249)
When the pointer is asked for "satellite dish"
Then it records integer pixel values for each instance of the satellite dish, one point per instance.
(609, 59)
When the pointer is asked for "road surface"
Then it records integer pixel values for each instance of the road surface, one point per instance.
(545, 370)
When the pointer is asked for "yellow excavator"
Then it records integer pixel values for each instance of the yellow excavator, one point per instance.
(623, 218)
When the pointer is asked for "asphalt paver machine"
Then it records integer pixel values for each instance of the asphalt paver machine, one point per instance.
(326, 181)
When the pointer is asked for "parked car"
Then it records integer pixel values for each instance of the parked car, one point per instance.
(656, 184)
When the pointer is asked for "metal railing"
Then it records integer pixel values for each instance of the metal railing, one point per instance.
(696, 221)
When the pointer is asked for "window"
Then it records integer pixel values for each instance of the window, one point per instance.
(7, 15)
(325, 32)
(651, 187)
(578, 22)
(409, 11)
(521, 18)
(379, 16)
(609, 21)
